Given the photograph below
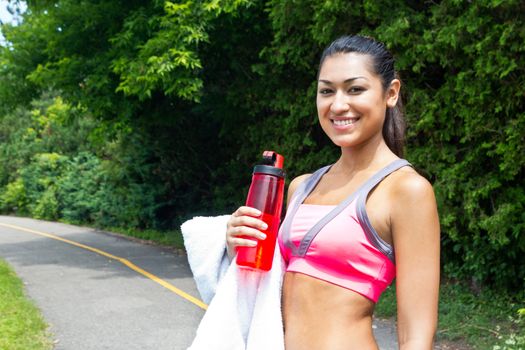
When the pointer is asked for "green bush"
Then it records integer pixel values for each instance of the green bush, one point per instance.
(14, 198)
(40, 178)
(167, 111)
(78, 188)
(47, 206)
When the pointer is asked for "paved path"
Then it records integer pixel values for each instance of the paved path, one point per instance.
(93, 301)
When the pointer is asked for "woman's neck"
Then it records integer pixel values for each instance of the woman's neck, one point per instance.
(367, 157)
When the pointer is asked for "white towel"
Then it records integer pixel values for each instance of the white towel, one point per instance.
(245, 308)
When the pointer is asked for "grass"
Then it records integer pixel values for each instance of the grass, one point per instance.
(485, 320)
(167, 238)
(171, 238)
(21, 324)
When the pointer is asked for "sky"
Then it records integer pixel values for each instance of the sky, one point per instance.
(5, 16)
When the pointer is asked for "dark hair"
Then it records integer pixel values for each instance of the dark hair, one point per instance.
(383, 66)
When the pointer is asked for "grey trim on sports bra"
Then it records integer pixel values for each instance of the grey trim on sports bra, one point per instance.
(361, 193)
(299, 196)
(370, 232)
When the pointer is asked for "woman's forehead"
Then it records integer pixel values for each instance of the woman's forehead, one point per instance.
(343, 66)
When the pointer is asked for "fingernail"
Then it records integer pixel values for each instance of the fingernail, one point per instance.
(264, 226)
(263, 236)
(253, 243)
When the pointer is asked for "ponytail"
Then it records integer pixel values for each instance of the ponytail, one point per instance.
(394, 128)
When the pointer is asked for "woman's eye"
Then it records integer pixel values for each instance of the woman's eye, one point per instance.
(355, 89)
(325, 91)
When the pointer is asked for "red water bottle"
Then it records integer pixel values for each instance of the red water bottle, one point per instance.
(266, 194)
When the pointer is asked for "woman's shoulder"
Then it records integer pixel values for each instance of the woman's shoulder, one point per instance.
(407, 185)
(296, 182)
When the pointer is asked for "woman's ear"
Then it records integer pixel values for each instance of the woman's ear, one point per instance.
(392, 94)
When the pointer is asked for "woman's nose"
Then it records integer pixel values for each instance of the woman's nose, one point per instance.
(339, 104)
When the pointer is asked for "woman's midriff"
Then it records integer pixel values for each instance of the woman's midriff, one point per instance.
(320, 315)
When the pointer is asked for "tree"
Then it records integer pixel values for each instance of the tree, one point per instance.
(186, 95)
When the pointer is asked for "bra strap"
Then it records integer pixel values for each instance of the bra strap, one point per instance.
(300, 194)
(380, 175)
(370, 232)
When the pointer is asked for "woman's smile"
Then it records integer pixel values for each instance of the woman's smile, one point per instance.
(344, 124)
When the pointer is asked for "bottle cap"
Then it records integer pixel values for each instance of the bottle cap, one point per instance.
(272, 164)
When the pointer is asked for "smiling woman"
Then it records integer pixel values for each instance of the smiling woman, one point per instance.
(353, 226)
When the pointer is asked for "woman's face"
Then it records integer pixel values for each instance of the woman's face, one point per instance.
(351, 102)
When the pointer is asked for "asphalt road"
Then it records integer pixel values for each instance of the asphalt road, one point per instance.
(94, 300)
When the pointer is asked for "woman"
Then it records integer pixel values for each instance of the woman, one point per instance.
(353, 226)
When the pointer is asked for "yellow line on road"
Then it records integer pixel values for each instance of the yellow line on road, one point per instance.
(121, 260)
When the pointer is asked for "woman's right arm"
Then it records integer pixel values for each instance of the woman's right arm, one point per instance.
(243, 228)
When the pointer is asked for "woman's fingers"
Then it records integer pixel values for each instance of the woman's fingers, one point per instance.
(246, 232)
(247, 224)
(244, 229)
(247, 211)
(246, 217)
(242, 242)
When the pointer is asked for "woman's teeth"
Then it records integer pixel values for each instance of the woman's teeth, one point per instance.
(343, 122)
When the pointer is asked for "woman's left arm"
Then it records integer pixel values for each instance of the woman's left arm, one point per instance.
(415, 232)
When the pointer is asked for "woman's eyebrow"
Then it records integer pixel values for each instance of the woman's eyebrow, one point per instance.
(345, 82)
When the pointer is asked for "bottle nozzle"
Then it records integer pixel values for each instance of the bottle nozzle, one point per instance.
(273, 159)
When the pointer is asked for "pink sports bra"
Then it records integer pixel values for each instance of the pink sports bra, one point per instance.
(338, 244)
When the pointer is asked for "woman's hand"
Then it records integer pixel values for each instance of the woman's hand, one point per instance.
(242, 230)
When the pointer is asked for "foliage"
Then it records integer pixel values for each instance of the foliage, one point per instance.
(21, 324)
(514, 341)
(14, 197)
(478, 157)
(56, 175)
(40, 180)
(488, 325)
(157, 110)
